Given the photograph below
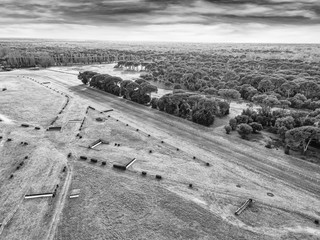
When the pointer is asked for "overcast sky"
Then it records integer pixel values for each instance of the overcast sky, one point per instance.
(275, 21)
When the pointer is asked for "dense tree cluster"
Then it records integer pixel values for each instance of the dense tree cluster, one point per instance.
(198, 108)
(297, 129)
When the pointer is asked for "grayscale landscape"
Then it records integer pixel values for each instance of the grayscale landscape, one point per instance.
(142, 119)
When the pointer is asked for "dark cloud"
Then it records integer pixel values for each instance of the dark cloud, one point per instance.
(145, 12)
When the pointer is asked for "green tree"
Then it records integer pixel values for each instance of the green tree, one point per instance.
(256, 127)
(301, 137)
(244, 130)
(229, 94)
(228, 129)
(233, 124)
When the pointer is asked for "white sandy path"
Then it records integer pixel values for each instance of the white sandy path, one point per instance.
(5, 119)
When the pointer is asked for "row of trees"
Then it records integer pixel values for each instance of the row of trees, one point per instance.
(138, 91)
(194, 107)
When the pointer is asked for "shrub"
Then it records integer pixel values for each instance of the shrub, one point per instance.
(203, 117)
(233, 124)
(154, 103)
(228, 129)
(244, 130)
(256, 127)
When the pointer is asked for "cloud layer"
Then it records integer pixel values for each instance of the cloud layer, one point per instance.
(188, 20)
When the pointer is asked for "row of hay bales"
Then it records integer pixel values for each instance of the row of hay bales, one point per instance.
(27, 125)
(80, 128)
(93, 160)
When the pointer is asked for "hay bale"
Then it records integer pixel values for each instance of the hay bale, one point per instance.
(162, 141)
(103, 163)
(137, 130)
(69, 155)
(93, 160)
(26, 157)
(190, 185)
(177, 149)
(9, 139)
(158, 177)
(150, 151)
(143, 173)
(207, 164)
(25, 125)
(316, 221)
(119, 167)
(194, 157)
(149, 135)
(37, 128)
(83, 157)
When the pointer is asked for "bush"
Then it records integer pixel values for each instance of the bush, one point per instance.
(228, 129)
(154, 103)
(203, 117)
(233, 124)
(244, 130)
(256, 127)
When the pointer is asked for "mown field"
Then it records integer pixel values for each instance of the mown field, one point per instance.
(126, 205)
(26, 169)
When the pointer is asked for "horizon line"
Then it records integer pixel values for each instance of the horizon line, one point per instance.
(148, 41)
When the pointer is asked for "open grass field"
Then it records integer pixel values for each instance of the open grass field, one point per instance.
(115, 204)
